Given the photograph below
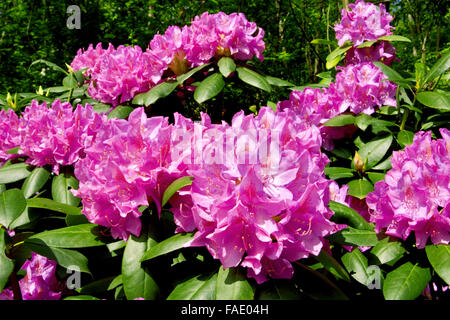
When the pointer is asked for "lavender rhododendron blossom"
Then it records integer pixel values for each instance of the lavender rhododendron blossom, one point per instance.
(381, 51)
(40, 282)
(415, 194)
(317, 106)
(258, 198)
(363, 88)
(123, 73)
(9, 134)
(56, 135)
(127, 166)
(90, 58)
(364, 21)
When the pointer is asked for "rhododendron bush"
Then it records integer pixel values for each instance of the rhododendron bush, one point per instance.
(340, 190)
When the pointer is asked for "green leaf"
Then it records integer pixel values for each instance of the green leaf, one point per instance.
(386, 251)
(233, 285)
(171, 244)
(14, 172)
(174, 187)
(348, 216)
(393, 38)
(337, 53)
(253, 78)
(35, 181)
(183, 77)
(79, 236)
(356, 264)
(6, 264)
(201, 287)
(359, 188)
(101, 108)
(117, 281)
(389, 72)
(162, 90)
(13, 150)
(406, 282)
(375, 150)
(332, 266)
(226, 66)
(81, 297)
(44, 203)
(137, 280)
(374, 177)
(335, 173)
(70, 82)
(340, 121)
(366, 44)
(332, 63)
(441, 66)
(279, 290)
(49, 64)
(278, 82)
(120, 112)
(61, 186)
(405, 138)
(209, 88)
(439, 257)
(322, 41)
(355, 237)
(385, 165)
(12, 204)
(64, 257)
(363, 121)
(96, 287)
(434, 99)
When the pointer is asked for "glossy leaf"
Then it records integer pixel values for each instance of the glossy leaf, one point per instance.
(14, 172)
(183, 77)
(209, 88)
(386, 251)
(354, 237)
(356, 264)
(35, 181)
(12, 204)
(201, 287)
(346, 215)
(335, 173)
(393, 38)
(79, 236)
(162, 90)
(439, 257)
(137, 280)
(441, 66)
(405, 138)
(278, 82)
(406, 282)
(375, 150)
(44, 203)
(332, 265)
(226, 66)
(64, 257)
(233, 285)
(340, 121)
(171, 244)
(81, 297)
(253, 78)
(434, 99)
(359, 188)
(120, 112)
(174, 187)
(61, 186)
(6, 264)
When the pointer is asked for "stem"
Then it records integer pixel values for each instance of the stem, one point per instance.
(15, 286)
(70, 95)
(404, 118)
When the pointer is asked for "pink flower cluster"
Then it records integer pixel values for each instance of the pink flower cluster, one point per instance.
(415, 194)
(265, 205)
(117, 75)
(363, 22)
(39, 283)
(9, 134)
(48, 136)
(127, 166)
